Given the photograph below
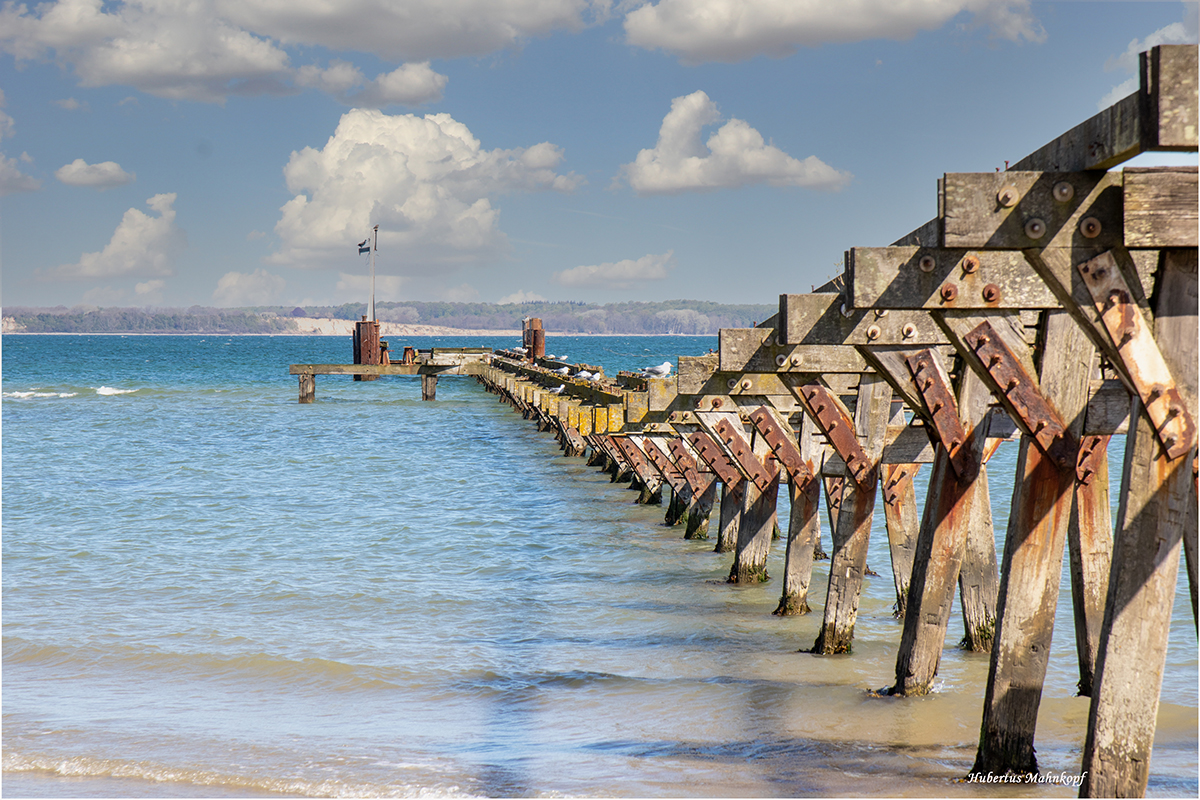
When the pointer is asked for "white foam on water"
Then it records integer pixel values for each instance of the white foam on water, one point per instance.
(35, 393)
(108, 390)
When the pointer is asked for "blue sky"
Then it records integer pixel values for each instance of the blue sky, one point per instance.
(234, 152)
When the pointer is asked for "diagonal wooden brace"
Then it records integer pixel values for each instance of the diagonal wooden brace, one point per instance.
(662, 462)
(934, 385)
(634, 456)
(715, 457)
(734, 437)
(1139, 354)
(838, 426)
(1092, 450)
(782, 445)
(687, 465)
(1020, 394)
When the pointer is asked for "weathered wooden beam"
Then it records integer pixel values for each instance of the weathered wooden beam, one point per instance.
(935, 278)
(1017, 210)
(836, 422)
(1161, 115)
(759, 350)
(824, 319)
(1161, 207)
(1158, 510)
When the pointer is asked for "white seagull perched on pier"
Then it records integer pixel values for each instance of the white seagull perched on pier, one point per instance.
(563, 370)
(583, 375)
(661, 371)
(559, 390)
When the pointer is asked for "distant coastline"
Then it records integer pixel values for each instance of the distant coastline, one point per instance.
(414, 318)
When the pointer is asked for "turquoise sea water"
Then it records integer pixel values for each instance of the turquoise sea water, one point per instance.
(210, 590)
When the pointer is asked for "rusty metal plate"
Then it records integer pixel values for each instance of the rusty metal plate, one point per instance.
(781, 444)
(663, 463)
(633, 456)
(735, 440)
(831, 417)
(1022, 397)
(1090, 453)
(934, 385)
(686, 464)
(1139, 353)
(712, 454)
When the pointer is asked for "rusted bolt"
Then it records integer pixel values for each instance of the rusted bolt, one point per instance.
(1169, 441)
(732, 382)
(991, 293)
(698, 403)
(1041, 424)
(949, 292)
(881, 312)
(1173, 412)
(1090, 227)
(796, 361)
(927, 263)
(954, 443)
(1035, 228)
(833, 423)
(1063, 191)
(920, 368)
(970, 263)
(780, 360)
(938, 406)
(1012, 384)
(746, 384)
(1083, 477)
(874, 332)
(928, 382)
(846, 311)
(909, 330)
(993, 361)
(716, 402)
(1008, 196)
(1155, 393)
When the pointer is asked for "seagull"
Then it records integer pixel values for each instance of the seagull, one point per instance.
(661, 371)
(520, 350)
(562, 358)
(563, 371)
(559, 390)
(583, 375)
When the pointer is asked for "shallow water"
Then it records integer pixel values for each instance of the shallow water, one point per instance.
(210, 590)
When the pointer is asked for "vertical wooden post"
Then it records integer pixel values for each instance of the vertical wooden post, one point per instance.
(308, 387)
(429, 387)
(366, 346)
(1089, 545)
(941, 542)
(1043, 496)
(903, 524)
(978, 577)
(731, 514)
(804, 528)
(853, 532)
(700, 509)
(1158, 510)
(757, 524)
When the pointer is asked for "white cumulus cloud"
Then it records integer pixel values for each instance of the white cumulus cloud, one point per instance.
(735, 30)
(150, 292)
(426, 181)
(141, 246)
(104, 175)
(621, 274)
(13, 181)
(521, 296)
(735, 155)
(409, 84)
(207, 50)
(256, 288)
(1184, 32)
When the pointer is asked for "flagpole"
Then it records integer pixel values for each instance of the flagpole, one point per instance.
(374, 247)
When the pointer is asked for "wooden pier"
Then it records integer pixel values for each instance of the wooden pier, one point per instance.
(1053, 306)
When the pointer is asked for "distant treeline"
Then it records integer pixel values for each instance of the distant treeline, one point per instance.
(674, 316)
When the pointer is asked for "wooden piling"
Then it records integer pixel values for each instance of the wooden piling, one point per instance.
(1158, 504)
(308, 387)
(853, 532)
(941, 544)
(732, 497)
(1089, 546)
(903, 525)
(429, 387)
(1043, 496)
(757, 524)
